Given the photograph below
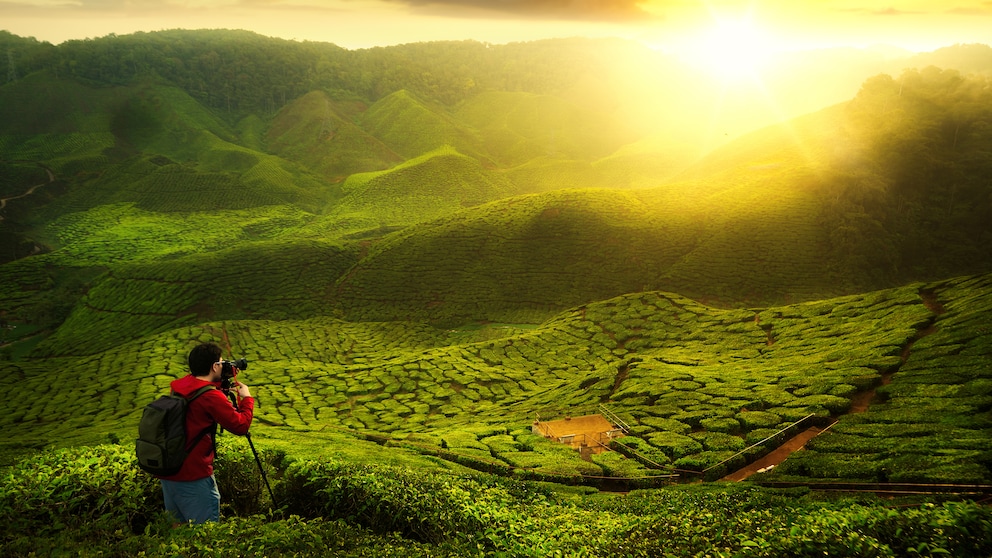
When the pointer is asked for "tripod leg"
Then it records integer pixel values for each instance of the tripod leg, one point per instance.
(260, 468)
(234, 401)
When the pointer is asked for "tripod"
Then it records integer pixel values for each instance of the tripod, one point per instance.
(234, 401)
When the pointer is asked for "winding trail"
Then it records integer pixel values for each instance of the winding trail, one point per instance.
(777, 455)
(3, 201)
(860, 402)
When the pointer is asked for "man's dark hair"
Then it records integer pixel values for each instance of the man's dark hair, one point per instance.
(202, 357)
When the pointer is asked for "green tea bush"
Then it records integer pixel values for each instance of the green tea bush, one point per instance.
(954, 529)
(616, 465)
(720, 424)
(79, 503)
(480, 514)
(96, 488)
(240, 479)
(673, 445)
(738, 520)
(261, 536)
(823, 465)
(642, 451)
(428, 507)
(752, 420)
(718, 441)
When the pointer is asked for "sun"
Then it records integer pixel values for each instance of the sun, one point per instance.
(731, 50)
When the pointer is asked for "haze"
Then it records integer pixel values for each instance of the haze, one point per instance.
(744, 50)
(679, 26)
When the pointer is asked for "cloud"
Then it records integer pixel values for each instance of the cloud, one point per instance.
(890, 11)
(984, 10)
(124, 8)
(581, 10)
(584, 10)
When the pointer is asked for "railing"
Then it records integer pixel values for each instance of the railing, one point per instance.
(572, 438)
(604, 438)
(544, 428)
(756, 444)
(613, 418)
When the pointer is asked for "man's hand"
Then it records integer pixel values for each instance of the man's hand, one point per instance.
(242, 390)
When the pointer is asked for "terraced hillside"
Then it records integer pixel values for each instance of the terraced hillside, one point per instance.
(695, 384)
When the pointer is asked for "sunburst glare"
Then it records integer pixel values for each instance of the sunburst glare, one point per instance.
(731, 50)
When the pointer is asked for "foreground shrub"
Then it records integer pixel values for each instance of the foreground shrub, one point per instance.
(954, 529)
(239, 478)
(87, 502)
(261, 536)
(736, 520)
(96, 488)
(424, 506)
(257, 536)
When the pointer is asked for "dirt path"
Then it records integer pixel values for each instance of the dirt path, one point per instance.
(3, 201)
(776, 456)
(860, 402)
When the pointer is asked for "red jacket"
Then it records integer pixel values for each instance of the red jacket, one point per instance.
(210, 407)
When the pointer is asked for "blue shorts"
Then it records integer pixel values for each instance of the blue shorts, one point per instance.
(197, 501)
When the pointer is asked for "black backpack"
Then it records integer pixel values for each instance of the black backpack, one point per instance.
(161, 446)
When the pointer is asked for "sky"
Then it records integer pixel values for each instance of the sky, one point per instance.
(731, 29)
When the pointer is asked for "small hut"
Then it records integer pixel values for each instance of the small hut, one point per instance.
(588, 433)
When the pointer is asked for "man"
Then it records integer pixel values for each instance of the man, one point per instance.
(191, 494)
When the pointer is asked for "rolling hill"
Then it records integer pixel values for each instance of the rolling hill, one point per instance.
(421, 249)
(425, 251)
(319, 133)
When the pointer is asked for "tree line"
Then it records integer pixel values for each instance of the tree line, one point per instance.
(243, 72)
(913, 190)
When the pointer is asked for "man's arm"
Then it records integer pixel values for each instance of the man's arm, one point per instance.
(236, 421)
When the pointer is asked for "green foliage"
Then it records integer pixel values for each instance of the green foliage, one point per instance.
(241, 477)
(96, 489)
(927, 131)
(318, 132)
(413, 128)
(264, 536)
(749, 522)
(276, 279)
(485, 513)
(435, 184)
(553, 251)
(766, 223)
(87, 502)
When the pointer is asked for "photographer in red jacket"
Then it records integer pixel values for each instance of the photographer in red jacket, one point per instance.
(191, 494)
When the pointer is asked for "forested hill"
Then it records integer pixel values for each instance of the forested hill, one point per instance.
(901, 172)
(240, 72)
(460, 182)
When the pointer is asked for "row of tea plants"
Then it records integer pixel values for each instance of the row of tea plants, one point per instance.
(95, 502)
(695, 384)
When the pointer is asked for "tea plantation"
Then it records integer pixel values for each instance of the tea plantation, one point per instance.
(427, 251)
(695, 384)
(94, 502)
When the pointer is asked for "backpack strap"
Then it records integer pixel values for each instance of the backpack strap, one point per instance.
(199, 392)
(212, 427)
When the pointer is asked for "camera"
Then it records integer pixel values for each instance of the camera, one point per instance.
(229, 371)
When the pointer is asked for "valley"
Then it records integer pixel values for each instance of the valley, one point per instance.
(424, 249)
